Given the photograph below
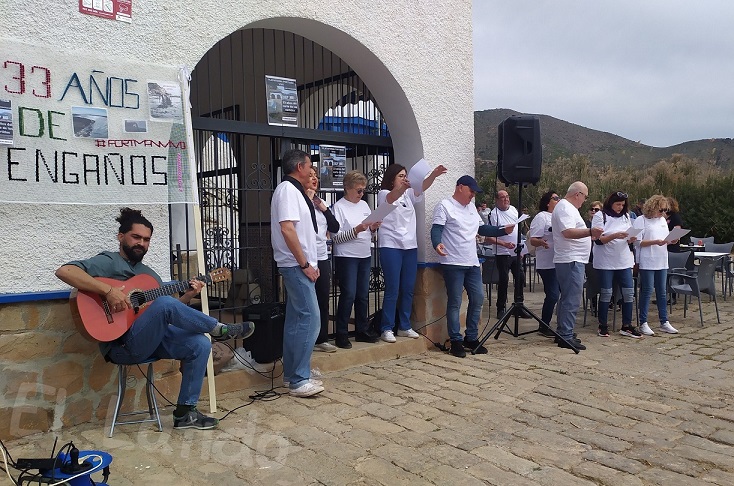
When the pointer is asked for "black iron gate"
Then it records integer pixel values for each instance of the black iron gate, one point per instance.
(238, 154)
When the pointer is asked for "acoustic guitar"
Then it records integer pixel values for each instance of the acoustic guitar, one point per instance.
(95, 321)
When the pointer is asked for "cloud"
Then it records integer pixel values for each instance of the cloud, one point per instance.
(659, 71)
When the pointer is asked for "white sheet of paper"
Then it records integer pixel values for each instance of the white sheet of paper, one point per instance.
(417, 175)
(519, 220)
(630, 232)
(676, 234)
(379, 213)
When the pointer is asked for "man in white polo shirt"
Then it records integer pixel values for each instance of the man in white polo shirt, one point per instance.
(293, 236)
(571, 242)
(456, 224)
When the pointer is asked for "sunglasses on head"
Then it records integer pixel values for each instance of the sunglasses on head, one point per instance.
(623, 195)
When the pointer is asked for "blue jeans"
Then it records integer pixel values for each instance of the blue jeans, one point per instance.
(354, 287)
(169, 329)
(400, 268)
(301, 327)
(623, 278)
(657, 279)
(457, 278)
(552, 291)
(571, 281)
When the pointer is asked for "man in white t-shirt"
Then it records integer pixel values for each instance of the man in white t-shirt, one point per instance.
(293, 236)
(506, 259)
(456, 224)
(571, 242)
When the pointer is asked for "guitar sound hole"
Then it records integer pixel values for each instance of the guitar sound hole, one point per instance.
(137, 299)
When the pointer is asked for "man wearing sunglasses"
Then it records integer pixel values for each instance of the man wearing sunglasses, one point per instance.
(571, 241)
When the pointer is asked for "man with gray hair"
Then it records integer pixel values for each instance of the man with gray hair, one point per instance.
(571, 242)
(293, 236)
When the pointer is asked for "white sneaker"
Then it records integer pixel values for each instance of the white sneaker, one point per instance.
(325, 347)
(645, 329)
(408, 333)
(388, 337)
(312, 380)
(666, 327)
(306, 390)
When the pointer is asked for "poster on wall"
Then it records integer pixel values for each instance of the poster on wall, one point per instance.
(121, 10)
(332, 166)
(6, 122)
(80, 129)
(282, 101)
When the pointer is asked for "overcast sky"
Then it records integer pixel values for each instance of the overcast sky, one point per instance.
(657, 71)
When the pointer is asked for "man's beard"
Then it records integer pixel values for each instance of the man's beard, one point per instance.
(134, 253)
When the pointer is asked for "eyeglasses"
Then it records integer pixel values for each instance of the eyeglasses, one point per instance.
(623, 195)
(556, 198)
(595, 210)
(586, 196)
(360, 191)
(664, 210)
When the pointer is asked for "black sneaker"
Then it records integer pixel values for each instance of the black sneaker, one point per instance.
(603, 331)
(457, 349)
(545, 331)
(238, 330)
(365, 337)
(474, 345)
(194, 420)
(343, 342)
(500, 312)
(630, 331)
(576, 344)
(556, 340)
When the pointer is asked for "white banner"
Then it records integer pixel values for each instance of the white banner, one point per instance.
(80, 129)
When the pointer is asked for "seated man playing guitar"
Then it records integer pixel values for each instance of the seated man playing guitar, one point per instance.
(168, 329)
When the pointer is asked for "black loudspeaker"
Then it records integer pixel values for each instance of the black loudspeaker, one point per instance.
(519, 154)
(266, 343)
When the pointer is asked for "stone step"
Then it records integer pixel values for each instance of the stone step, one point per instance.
(360, 354)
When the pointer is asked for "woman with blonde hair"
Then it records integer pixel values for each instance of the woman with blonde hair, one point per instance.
(352, 257)
(326, 224)
(653, 261)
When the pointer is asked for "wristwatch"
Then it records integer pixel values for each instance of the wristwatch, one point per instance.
(305, 266)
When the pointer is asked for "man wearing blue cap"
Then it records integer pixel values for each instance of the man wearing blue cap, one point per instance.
(456, 224)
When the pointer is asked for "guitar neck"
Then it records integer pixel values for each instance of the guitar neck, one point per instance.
(169, 289)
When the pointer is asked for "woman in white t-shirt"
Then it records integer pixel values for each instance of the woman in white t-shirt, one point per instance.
(613, 261)
(541, 237)
(352, 256)
(399, 248)
(653, 261)
(327, 224)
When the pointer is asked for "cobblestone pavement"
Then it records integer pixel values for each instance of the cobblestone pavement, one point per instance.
(654, 411)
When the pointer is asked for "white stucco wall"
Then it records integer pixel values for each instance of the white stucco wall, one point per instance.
(416, 58)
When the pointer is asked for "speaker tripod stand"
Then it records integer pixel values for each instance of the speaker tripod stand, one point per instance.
(518, 307)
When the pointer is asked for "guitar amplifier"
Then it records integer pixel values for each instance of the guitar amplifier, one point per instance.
(266, 343)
